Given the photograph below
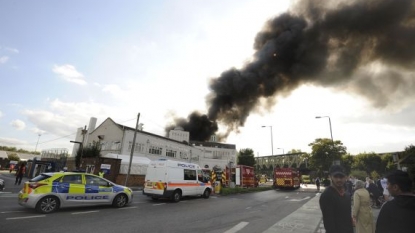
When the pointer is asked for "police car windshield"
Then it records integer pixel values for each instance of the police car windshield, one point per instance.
(40, 178)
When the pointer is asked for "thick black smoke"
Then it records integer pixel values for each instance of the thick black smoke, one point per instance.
(367, 47)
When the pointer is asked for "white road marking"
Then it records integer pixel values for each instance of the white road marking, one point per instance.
(159, 204)
(237, 228)
(303, 199)
(139, 202)
(36, 216)
(86, 212)
(248, 207)
(130, 207)
(7, 212)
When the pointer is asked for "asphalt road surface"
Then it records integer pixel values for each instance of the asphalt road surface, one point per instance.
(252, 212)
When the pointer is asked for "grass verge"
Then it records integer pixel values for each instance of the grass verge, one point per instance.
(229, 191)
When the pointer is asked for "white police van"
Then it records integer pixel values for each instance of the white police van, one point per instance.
(174, 179)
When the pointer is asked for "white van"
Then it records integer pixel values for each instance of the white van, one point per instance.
(175, 179)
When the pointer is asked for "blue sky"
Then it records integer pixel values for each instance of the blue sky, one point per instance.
(62, 62)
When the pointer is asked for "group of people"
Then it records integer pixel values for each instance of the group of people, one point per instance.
(340, 215)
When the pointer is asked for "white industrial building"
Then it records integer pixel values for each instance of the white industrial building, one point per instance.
(116, 139)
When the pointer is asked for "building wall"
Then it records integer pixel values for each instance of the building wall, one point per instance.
(109, 135)
(118, 139)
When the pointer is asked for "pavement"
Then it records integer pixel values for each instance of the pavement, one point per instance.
(308, 218)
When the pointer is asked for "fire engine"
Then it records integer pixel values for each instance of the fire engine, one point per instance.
(242, 175)
(286, 178)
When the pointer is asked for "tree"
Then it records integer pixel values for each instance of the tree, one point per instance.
(13, 157)
(409, 162)
(348, 162)
(246, 157)
(324, 152)
(369, 162)
(387, 164)
(92, 151)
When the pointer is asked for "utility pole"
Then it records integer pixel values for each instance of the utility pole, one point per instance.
(132, 150)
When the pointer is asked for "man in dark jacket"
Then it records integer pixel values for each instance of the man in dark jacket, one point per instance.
(374, 193)
(398, 214)
(335, 203)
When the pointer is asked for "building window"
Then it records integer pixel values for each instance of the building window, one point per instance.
(183, 155)
(171, 153)
(104, 145)
(139, 147)
(155, 150)
(115, 145)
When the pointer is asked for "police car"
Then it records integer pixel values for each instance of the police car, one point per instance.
(50, 191)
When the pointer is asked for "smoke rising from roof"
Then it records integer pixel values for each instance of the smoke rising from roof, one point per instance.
(364, 47)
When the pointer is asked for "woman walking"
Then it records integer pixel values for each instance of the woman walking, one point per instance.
(362, 211)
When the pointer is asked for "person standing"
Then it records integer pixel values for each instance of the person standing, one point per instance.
(374, 193)
(397, 215)
(335, 203)
(349, 186)
(384, 183)
(20, 173)
(362, 212)
(318, 184)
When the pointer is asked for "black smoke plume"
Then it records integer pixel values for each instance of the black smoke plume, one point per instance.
(367, 47)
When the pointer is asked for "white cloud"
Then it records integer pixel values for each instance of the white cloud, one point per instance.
(18, 124)
(1, 114)
(63, 118)
(37, 131)
(12, 141)
(113, 89)
(3, 59)
(70, 74)
(12, 50)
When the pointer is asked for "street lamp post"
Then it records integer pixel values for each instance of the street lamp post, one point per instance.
(282, 150)
(37, 141)
(272, 146)
(331, 133)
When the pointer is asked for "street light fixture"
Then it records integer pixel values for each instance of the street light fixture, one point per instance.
(37, 141)
(272, 146)
(331, 134)
(282, 150)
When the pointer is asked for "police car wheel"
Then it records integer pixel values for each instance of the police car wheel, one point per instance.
(206, 193)
(47, 205)
(120, 200)
(177, 195)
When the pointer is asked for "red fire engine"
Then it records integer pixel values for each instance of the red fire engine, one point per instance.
(286, 178)
(242, 175)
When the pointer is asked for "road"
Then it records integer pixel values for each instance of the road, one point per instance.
(268, 211)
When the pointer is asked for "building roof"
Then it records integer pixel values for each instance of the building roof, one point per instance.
(22, 156)
(213, 144)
